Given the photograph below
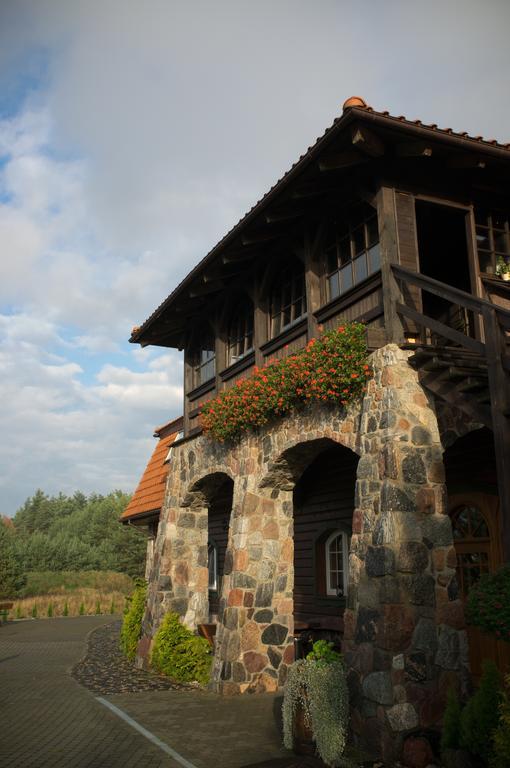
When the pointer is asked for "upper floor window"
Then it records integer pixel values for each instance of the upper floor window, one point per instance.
(240, 332)
(288, 297)
(204, 367)
(212, 565)
(492, 239)
(352, 252)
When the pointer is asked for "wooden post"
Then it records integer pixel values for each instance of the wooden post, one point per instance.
(312, 282)
(260, 321)
(389, 255)
(499, 387)
(188, 386)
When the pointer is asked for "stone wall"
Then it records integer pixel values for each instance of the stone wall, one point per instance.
(404, 637)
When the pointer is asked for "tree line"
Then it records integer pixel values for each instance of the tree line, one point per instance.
(68, 533)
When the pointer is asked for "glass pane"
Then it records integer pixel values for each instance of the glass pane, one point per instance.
(482, 238)
(286, 316)
(481, 216)
(485, 261)
(297, 309)
(344, 250)
(499, 220)
(331, 257)
(358, 240)
(334, 286)
(374, 257)
(500, 241)
(346, 278)
(360, 268)
(372, 231)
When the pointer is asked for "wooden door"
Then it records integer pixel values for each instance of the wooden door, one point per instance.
(475, 524)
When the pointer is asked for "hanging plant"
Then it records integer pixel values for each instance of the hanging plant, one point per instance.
(332, 369)
(316, 688)
(488, 603)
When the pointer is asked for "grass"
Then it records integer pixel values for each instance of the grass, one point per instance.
(72, 593)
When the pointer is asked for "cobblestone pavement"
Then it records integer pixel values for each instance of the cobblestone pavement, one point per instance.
(47, 720)
(106, 670)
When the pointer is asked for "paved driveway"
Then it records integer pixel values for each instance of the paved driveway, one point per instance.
(48, 720)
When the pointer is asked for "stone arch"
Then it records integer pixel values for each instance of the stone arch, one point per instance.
(285, 471)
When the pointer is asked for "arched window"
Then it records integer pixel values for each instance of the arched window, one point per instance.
(240, 332)
(288, 297)
(212, 565)
(204, 367)
(336, 556)
(352, 251)
(472, 544)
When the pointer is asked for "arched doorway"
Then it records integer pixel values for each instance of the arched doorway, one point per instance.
(323, 508)
(473, 506)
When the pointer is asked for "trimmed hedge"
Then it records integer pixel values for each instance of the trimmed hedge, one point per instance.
(488, 603)
(180, 654)
(132, 621)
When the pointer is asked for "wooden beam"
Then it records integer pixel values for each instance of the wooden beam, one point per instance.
(282, 215)
(465, 161)
(367, 141)
(414, 149)
(499, 384)
(239, 254)
(386, 217)
(205, 289)
(346, 159)
(262, 235)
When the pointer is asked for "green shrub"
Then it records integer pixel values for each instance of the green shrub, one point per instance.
(50, 610)
(488, 603)
(82, 609)
(112, 607)
(450, 736)
(132, 621)
(34, 612)
(18, 612)
(180, 654)
(479, 717)
(501, 739)
(65, 611)
(98, 608)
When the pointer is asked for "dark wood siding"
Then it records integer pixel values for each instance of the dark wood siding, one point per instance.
(470, 463)
(323, 501)
(219, 521)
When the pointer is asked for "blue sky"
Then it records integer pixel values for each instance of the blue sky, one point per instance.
(132, 137)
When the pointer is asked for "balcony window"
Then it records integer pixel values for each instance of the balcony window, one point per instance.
(288, 297)
(492, 239)
(352, 252)
(204, 368)
(240, 333)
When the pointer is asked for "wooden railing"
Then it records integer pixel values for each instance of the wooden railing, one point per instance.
(492, 345)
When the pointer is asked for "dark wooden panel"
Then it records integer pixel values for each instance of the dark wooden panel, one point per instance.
(219, 520)
(323, 501)
(408, 251)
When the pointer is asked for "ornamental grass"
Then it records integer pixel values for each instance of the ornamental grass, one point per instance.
(332, 369)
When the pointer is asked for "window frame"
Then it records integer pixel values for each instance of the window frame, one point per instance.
(295, 284)
(331, 591)
(212, 548)
(243, 318)
(485, 229)
(341, 246)
(200, 361)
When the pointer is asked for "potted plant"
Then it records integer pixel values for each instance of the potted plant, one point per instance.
(503, 268)
(316, 705)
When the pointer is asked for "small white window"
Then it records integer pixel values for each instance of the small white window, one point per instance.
(180, 435)
(336, 552)
(212, 564)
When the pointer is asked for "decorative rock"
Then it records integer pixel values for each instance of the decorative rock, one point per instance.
(413, 557)
(413, 469)
(366, 626)
(402, 717)
(275, 657)
(274, 634)
(447, 655)
(425, 635)
(254, 662)
(264, 595)
(380, 561)
(377, 687)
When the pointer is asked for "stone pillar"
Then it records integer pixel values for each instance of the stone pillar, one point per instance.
(254, 635)
(404, 640)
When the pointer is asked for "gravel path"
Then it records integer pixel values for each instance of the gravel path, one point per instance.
(105, 670)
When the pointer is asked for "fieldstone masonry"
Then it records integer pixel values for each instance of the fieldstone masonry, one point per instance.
(404, 636)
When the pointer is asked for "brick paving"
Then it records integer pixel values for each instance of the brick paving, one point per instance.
(47, 719)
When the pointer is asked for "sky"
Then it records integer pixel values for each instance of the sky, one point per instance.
(133, 135)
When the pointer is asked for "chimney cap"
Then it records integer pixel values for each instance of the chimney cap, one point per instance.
(355, 101)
